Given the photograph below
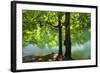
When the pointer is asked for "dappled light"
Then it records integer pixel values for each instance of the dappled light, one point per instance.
(55, 36)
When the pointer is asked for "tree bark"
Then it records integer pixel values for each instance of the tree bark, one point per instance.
(67, 41)
(60, 37)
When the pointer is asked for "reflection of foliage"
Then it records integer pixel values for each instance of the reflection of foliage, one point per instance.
(41, 27)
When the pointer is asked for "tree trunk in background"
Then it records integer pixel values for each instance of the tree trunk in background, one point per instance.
(67, 41)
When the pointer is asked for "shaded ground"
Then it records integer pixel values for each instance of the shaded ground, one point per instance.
(49, 57)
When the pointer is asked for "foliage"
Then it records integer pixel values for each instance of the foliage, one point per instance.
(41, 27)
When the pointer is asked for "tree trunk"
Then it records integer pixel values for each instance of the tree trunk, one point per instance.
(67, 41)
(60, 37)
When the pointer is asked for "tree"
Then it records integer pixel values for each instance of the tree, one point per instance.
(52, 28)
(67, 41)
(60, 53)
